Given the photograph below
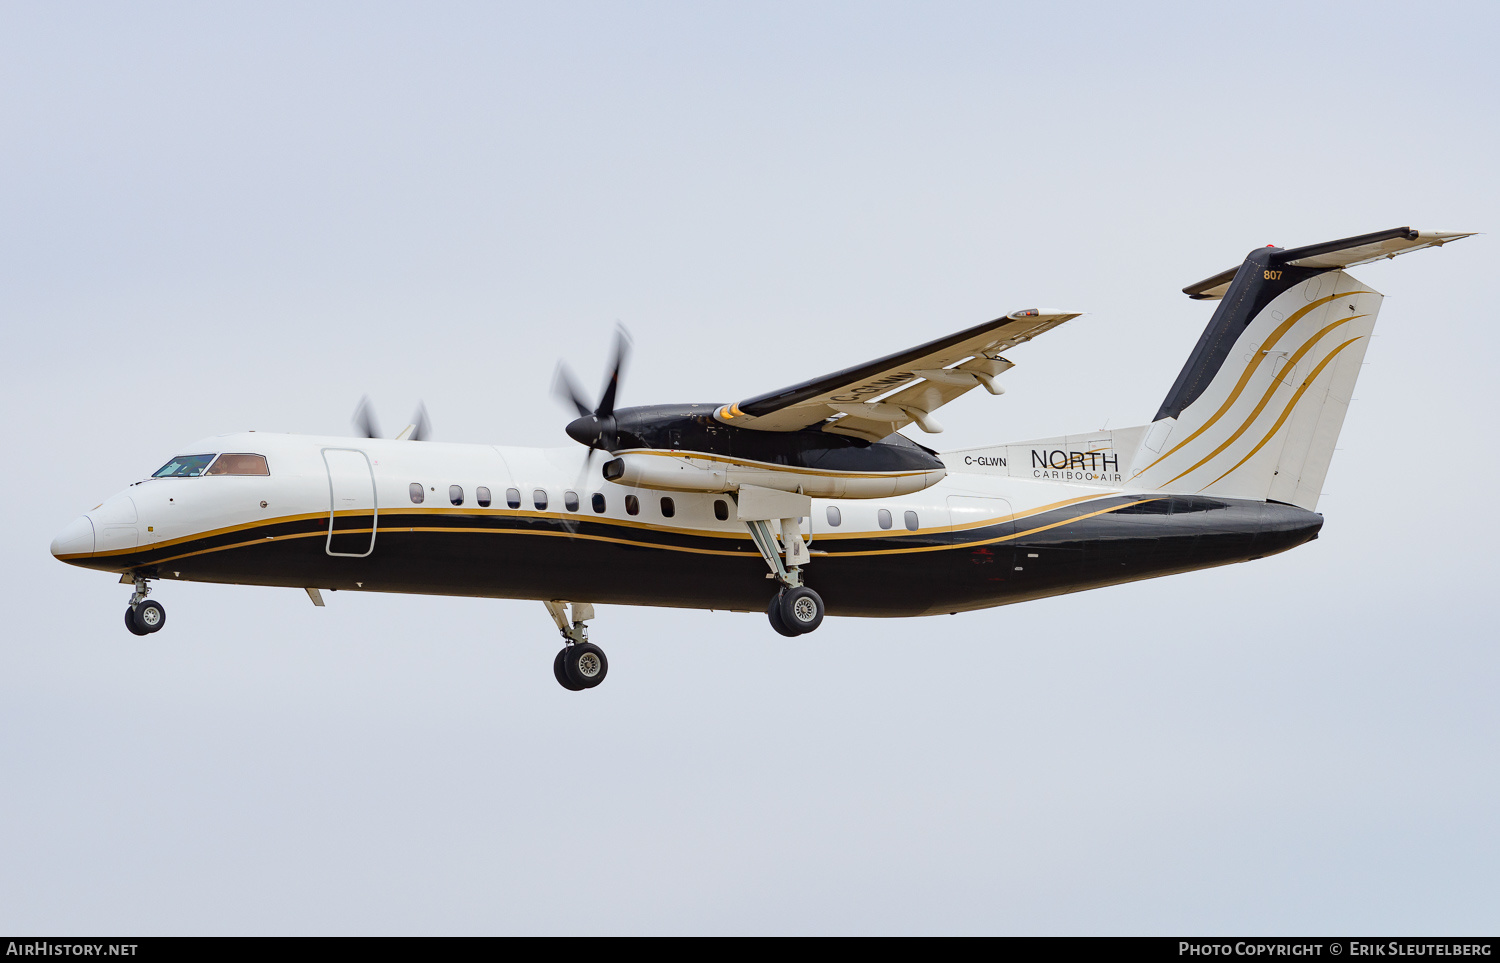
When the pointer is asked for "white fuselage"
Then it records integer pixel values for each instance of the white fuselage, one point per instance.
(436, 518)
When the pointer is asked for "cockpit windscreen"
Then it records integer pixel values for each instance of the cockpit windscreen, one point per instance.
(240, 464)
(184, 466)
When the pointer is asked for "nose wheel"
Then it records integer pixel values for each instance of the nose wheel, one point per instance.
(144, 616)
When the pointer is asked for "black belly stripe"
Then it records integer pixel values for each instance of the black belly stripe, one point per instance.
(1098, 542)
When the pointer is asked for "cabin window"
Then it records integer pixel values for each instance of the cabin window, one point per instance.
(721, 509)
(456, 494)
(834, 518)
(482, 496)
(884, 517)
(632, 505)
(598, 501)
(239, 464)
(417, 493)
(570, 501)
(539, 499)
(513, 497)
(184, 466)
(668, 508)
(911, 521)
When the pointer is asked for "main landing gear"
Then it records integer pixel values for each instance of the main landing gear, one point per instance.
(581, 664)
(142, 616)
(795, 609)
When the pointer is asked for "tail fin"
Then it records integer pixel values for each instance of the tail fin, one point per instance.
(1257, 408)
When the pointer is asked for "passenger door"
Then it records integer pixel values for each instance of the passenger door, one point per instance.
(353, 514)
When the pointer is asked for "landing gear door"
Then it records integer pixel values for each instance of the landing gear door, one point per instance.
(988, 524)
(353, 515)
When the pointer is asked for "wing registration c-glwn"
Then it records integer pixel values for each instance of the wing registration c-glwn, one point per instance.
(879, 398)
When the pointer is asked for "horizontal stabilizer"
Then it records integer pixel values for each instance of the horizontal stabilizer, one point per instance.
(1331, 255)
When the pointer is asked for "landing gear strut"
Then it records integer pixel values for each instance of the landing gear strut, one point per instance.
(795, 609)
(581, 664)
(142, 617)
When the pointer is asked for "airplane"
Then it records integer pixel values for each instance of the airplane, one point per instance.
(813, 488)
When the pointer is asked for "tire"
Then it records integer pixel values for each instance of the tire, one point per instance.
(149, 617)
(585, 664)
(561, 674)
(773, 612)
(801, 609)
(130, 622)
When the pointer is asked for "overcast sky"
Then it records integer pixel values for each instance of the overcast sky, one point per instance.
(228, 216)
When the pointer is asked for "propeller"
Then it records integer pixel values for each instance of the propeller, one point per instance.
(595, 427)
(364, 419)
(420, 428)
(366, 426)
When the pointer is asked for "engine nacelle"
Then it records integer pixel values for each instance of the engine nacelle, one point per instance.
(676, 471)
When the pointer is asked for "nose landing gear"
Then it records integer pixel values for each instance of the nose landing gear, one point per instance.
(581, 664)
(142, 617)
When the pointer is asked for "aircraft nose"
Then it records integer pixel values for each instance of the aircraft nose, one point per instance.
(76, 539)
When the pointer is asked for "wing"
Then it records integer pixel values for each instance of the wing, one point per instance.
(881, 397)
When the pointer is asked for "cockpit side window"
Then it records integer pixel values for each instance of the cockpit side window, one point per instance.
(184, 466)
(240, 464)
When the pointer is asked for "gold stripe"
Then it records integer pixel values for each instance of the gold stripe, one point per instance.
(1002, 538)
(1265, 399)
(470, 531)
(591, 538)
(1234, 395)
(770, 466)
(254, 541)
(673, 548)
(168, 543)
(1285, 414)
(563, 517)
(891, 533)
(394, 513)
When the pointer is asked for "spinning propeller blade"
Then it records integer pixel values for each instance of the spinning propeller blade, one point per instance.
(421, 427)
(566, 389)
(606, 407)
(364, 419)
(366, 426)
(595, 428)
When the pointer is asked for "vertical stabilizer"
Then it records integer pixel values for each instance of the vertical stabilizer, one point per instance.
(1257, 409)
(1263, 423)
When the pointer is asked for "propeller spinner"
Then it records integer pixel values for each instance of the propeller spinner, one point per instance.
(595, 427)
